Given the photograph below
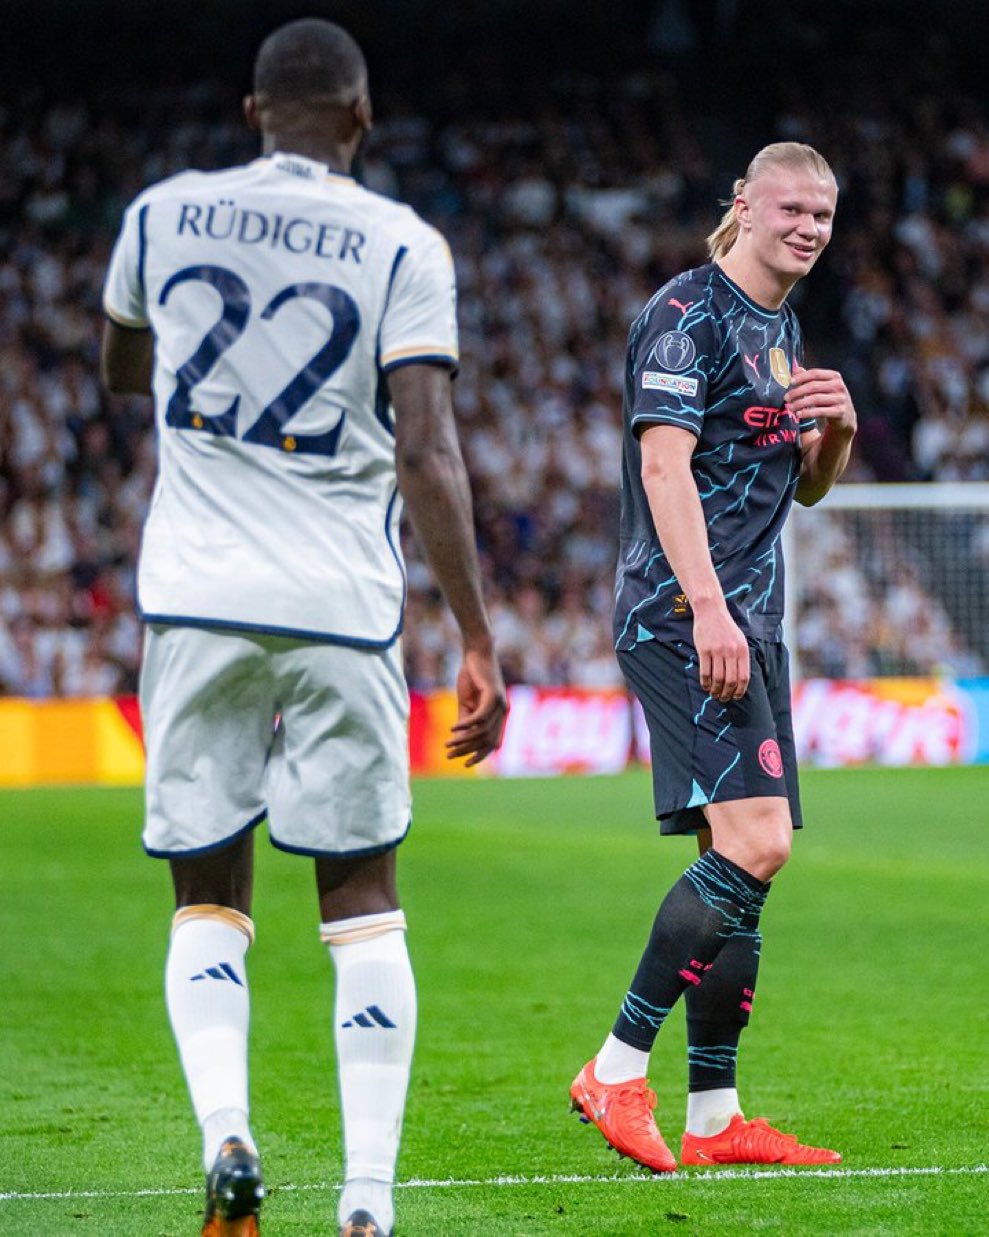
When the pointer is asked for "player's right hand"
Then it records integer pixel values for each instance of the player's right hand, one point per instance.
(483, 708)
(722, 654)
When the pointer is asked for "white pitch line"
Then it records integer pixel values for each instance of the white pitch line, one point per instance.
(459, 1183)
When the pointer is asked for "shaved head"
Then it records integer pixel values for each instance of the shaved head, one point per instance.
(309, 59)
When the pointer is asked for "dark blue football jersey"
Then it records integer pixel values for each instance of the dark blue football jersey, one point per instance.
(705, 357)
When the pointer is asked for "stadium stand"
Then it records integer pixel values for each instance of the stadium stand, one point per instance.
(568, 198)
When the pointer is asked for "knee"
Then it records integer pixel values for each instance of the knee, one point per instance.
(774, 850)
(351, 888)
(772, 840)
(754, 833)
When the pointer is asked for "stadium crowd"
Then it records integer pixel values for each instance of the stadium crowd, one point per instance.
(566, 204)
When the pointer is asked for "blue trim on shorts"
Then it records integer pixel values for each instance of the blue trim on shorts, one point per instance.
(286, 633)
(366, 852)
(205, 850)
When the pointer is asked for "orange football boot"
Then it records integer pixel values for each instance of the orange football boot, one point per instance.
(622, 1111)
(751, 1142)
(242, 1226)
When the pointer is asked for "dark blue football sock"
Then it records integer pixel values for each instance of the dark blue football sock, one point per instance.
(718, 1009)
(702, 912)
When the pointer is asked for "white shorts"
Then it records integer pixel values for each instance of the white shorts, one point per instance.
(332, 778)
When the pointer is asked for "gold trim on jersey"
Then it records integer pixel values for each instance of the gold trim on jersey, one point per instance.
(131, 323)
(442, 350)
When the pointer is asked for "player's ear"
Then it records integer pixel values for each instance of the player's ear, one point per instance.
(742, 212)
(362, 111)
(251, 111)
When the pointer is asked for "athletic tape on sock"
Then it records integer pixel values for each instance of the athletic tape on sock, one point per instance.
(208, 910)
(361, 928)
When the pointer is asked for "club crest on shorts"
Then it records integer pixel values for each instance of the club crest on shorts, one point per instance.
(674, 351)
(770, 758)
(779, 366)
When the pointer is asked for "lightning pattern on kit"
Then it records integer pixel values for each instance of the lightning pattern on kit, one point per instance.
(704, 358)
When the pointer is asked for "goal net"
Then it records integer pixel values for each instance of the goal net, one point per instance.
(890, 580)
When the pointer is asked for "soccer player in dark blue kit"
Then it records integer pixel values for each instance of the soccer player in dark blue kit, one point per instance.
(724, 427)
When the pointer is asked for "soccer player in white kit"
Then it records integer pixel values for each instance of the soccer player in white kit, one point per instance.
(298, 334)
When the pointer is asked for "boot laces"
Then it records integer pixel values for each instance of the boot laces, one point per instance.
(638, 1102)
(767, 1133)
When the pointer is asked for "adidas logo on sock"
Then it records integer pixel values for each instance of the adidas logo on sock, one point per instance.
(224, 971)
(371, 1016)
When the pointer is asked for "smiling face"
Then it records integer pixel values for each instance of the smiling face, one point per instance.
(784, 216)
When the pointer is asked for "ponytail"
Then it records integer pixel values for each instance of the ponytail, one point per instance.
(726, 233)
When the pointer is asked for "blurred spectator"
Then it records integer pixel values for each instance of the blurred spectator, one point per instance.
(567, 201)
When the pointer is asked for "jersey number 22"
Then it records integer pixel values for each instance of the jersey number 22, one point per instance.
(268, 429)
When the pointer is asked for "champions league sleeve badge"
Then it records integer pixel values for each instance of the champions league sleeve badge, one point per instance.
(674, 351)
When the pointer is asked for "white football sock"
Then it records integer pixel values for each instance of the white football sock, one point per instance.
(708, 1112)
(209, 1007)
(221, 1125)
(375, 1024)
(618, 1062)
(373, 1196)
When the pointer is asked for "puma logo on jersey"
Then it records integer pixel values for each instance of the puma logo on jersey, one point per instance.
(752, 362)
(679, 304)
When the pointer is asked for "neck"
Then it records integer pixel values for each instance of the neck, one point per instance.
(765, 287)
(338, 156)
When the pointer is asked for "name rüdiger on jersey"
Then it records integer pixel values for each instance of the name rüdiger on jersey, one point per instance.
(225, 221)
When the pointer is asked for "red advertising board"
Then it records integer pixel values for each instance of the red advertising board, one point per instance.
(550, 731)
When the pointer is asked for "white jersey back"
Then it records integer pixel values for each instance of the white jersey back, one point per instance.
(280, 295)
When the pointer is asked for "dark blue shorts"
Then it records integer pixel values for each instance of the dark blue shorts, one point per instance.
(707, 752)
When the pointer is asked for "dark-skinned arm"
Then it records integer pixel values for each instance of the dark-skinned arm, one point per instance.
(126, 359)
(433, 482)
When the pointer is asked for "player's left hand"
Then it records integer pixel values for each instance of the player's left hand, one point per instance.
(483, 708)
(821, 393)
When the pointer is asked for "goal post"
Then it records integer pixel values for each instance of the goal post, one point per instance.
(888, 625)
(890, 580)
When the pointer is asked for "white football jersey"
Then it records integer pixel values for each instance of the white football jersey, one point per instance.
(280, 296)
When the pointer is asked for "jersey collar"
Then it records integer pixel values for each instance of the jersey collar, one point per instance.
(763, 310)
(299, 165)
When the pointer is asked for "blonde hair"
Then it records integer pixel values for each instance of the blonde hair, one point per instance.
(796, 155)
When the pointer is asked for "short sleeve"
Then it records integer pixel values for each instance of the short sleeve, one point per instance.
(673, 351)
(123, 292)
(419, 324)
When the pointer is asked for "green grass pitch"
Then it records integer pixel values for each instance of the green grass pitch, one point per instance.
(528, 904)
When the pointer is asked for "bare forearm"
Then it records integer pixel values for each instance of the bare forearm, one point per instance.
(822, 394)
(678, 515)
(823, 464)
(434, 484)
(433, 481)
(679, 519)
